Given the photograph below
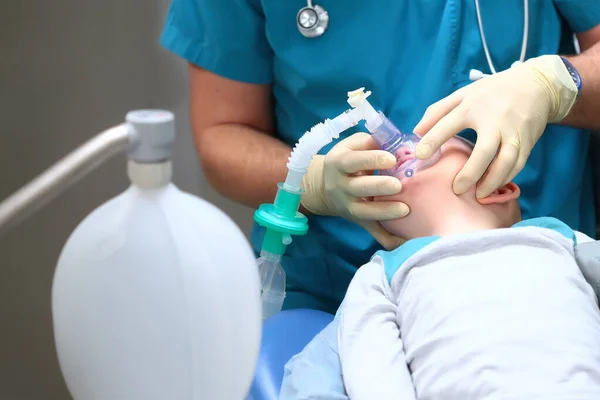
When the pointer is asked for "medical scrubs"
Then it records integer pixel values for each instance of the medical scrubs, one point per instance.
(409, 54)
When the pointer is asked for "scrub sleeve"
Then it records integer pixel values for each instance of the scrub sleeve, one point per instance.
(581, 15)
(225, 37)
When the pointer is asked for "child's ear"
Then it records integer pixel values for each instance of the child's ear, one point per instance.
(506, 193)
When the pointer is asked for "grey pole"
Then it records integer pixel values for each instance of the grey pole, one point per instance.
(148, 135)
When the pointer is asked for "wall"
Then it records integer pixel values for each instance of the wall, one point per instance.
(69, 69)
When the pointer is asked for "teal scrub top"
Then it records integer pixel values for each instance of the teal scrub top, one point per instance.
(410, 54)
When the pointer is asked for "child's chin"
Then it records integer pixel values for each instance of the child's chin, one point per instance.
(394, 227)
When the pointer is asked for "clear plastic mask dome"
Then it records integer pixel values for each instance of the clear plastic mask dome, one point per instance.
(403, 146)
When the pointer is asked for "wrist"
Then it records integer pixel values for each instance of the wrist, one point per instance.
(574, 73)
(555, 79)
(312, 200)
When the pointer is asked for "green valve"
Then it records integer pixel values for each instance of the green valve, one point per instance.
(281, 220)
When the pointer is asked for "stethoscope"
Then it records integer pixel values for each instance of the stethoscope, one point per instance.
(313, 21)
(476, 74)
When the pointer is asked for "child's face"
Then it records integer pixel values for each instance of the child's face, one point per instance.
(429, 193)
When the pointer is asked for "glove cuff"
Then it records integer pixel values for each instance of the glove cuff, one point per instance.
(313, 199)
(552, 74)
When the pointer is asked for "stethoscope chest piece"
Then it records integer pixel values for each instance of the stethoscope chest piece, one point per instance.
(312, 20)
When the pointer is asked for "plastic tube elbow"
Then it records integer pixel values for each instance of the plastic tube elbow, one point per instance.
(346, 120)
(358, 101)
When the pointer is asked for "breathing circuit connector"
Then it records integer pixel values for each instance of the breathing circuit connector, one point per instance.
(281, 220)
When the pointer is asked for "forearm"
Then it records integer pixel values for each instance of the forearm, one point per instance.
(242, 163)
(584, 113)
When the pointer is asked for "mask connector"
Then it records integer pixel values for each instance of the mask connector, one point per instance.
(389, 138)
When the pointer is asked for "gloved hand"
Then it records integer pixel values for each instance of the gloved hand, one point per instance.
(509, 111)
(339, 184)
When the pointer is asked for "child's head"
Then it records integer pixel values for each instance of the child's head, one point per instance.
(436, 210)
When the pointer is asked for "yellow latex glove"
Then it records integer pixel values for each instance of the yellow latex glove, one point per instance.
(509, 111)
(341, 184)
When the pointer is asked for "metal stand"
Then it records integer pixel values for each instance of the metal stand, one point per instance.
(63, 174)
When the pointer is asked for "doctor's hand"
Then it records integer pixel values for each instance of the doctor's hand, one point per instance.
(342, 183)
(509, 111)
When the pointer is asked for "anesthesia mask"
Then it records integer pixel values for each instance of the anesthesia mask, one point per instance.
(403, 146)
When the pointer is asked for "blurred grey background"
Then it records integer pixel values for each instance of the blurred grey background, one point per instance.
(69, 69)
